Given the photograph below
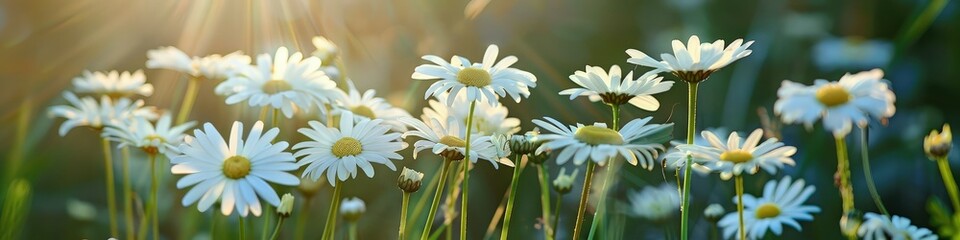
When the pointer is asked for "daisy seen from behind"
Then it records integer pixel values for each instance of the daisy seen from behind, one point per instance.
(113, 84)
(782, 204)
(880, 227)
(695, 61)
(612, 88)
(484, 81)
(235, 171)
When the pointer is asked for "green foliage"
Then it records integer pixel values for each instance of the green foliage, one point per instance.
(940, 217)
(16, 206)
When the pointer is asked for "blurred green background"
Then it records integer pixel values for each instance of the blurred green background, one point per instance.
(46, 43)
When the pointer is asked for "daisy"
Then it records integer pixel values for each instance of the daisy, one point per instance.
(236, 172)
(89, 112)
(676, 159)
(880, 227)
(143, 134)
(854, 98)
(368, 106)
(338, 152)
(352, 208)
(655, 203)
(446, 139)
(327, 51)
(209, 67)
(599, 143)
(487, 119)
(736, 156)
(113, 84)
(781, 204)
(615, 89)
(285, 83)
(480, 81)
(695, 61)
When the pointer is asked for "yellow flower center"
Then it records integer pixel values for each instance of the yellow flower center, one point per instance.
(153, 149)
(236, 167)
(453, 141)
(346, 146)
(363, 111)
(475, 77)
(594, 135)
(736, 156)
(767, 210)
(832, 95)
(276, 86)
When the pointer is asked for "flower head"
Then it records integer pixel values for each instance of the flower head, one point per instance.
(487, 119)
(410, 180)
(446, 139)
(501, 146)
(113, 84)
(286, 205)
(368, 106)
(781, 204)
(695, 61)
(713, 212)
(938, 144)
(149, 137)
(853, 99)
(327, 51)
(481, 81)
(655, 203)
(352, 208)
(564, 183)
(599, 143)
(283, 82)
(209, 67)
(734, 156)
(675, 158)
(880, 227)
(615, 89)
(89, 112)
(339, 152)
(236, 171)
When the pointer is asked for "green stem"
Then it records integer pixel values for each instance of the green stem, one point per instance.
(466, 174)
(949, 182)
(556, 216)
(403, 215)
(444, 171)
(612, 167)
(188, 99)
(111, 189)
(276, 118)
(214, 225)
(267, 212)
(302, 219)
(331, 224)
(276, 230)
(422, 200)
(127, 193)
(242, 228)
(739, 189)
(548, 229)
(864, 153)
(691, 128)
(843, 167)
(352, 227)
(582, 209)
(514, 185)
(154, 183)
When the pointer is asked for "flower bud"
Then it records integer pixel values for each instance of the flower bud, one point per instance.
(564, 183)
(286, 205)
(410, 180)
(352, 208)
(937, 145)
(713, 212)
(308, 187)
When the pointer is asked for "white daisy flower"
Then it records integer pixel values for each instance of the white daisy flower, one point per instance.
(368, 106)
(284, 83)
(446, 139)
(143, 134)
(599, 143)
(781, 204)
(338, 152)
(235, 172)
(352, 208)
(210, 67)
(480, 81)
(695, 61)
(487, 119)
(326, 49)
(113, 84)
(655, 203)
(739, 155)
(677, 159)
(89, 112)
(833, 53)
(880, 227)
(854, 98)
(615, 89)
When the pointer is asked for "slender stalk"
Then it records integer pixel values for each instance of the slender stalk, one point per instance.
(403, 215)
(111, 189)
(864, 154)
(949, 182)
(352, 227)
(582, 210)
(548, 228)
(302, 219)
(514, 185)
(154, 183)
(843, 167)
(444, 171)
(127, 193)
(691, 128)
(612, 166)
(466, 174)
(422, 200)
(739, 189)
(267, 212)
(242, 227)
(331, 224)
(276, 230)
(556, 216)
(276, 117)
(188, 98)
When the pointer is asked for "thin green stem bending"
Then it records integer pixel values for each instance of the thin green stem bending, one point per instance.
(403, 215)
(444, 171)
(466, 174)
(691, 128)
(111, 189)
(582, 209)
(330, 229)
(127, 193)
(949, 182)
(276, 230)
(556, 216)
(548, 229)
(612, 166)
(739, 189)
(512, 199)
(352, 229)
(864, 154)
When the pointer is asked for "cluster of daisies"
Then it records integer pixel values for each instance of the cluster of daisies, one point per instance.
(351, 131)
